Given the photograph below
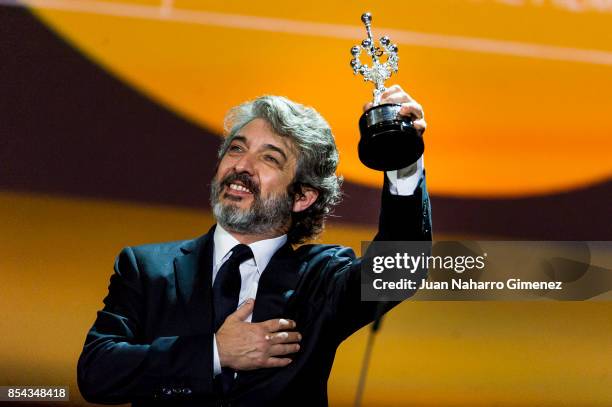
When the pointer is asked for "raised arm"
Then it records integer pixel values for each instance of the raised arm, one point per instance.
(405, 215)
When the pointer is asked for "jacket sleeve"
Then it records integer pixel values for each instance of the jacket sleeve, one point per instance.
(118, 366)
(402, 218)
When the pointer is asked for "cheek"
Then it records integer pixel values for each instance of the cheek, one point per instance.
(268, 183)
(223, 169)
(276, 184)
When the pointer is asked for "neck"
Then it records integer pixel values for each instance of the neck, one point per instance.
(248, 238)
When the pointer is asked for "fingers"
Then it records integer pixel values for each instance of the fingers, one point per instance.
(419, 125)
(247, 346)
(275, 325)
(277, 362)
(412, 109)
(284, 337)
(395, 94)
(282, 349)
(398, 98)
(243, 311)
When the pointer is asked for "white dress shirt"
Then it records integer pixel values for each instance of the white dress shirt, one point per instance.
(405, 181)
(402, 182)
(250, 270)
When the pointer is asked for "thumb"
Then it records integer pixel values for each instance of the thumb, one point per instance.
(244, 310)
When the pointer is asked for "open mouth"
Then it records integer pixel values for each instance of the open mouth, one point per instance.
(240, 188)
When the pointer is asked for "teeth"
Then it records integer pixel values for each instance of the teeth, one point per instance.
(239, 188)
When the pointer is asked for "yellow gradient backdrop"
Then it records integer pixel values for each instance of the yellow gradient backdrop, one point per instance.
(500, 125)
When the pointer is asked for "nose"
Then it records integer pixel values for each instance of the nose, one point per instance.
(244, 164)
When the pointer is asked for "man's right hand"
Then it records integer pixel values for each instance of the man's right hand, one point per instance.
(247, 346)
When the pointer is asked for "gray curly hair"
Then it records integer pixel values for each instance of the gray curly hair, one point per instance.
(317, 156)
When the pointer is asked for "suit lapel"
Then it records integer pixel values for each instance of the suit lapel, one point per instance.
(193, 272)
(276, 285)
(275, 290)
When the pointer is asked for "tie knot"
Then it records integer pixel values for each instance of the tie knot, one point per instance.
(241, 253)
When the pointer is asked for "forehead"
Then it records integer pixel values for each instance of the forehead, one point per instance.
(259, 133)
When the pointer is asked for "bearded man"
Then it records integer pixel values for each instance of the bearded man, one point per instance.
(240, 316)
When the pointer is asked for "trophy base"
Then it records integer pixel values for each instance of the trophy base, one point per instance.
(388, 141)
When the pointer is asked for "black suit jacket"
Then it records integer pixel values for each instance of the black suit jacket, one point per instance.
(151, 344)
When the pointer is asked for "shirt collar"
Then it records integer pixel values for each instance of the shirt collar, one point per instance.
(263, 250)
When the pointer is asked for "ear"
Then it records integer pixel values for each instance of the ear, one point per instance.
(303, 199)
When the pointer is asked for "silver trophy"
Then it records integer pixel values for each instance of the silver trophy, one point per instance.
(388, 140)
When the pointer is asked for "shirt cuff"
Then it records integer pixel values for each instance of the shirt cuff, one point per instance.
(216, 359)
(405, 181)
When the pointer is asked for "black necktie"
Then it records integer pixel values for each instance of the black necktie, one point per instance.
(226, 290)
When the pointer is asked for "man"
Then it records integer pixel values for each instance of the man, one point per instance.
(238, 316)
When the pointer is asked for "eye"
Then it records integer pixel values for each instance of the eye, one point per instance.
(271, 159)
(234, 148)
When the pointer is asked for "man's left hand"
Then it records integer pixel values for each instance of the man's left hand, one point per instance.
(410, 107)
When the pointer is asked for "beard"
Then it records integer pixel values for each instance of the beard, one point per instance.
(265, 216)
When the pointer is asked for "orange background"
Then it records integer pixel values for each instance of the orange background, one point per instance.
(523, 125)
(499, 126)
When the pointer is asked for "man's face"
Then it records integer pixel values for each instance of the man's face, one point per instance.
(249, 190)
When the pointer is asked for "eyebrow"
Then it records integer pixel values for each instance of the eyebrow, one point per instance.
(272, 147)
(238, 137)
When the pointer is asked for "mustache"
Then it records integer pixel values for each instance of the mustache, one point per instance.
(244, 179)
